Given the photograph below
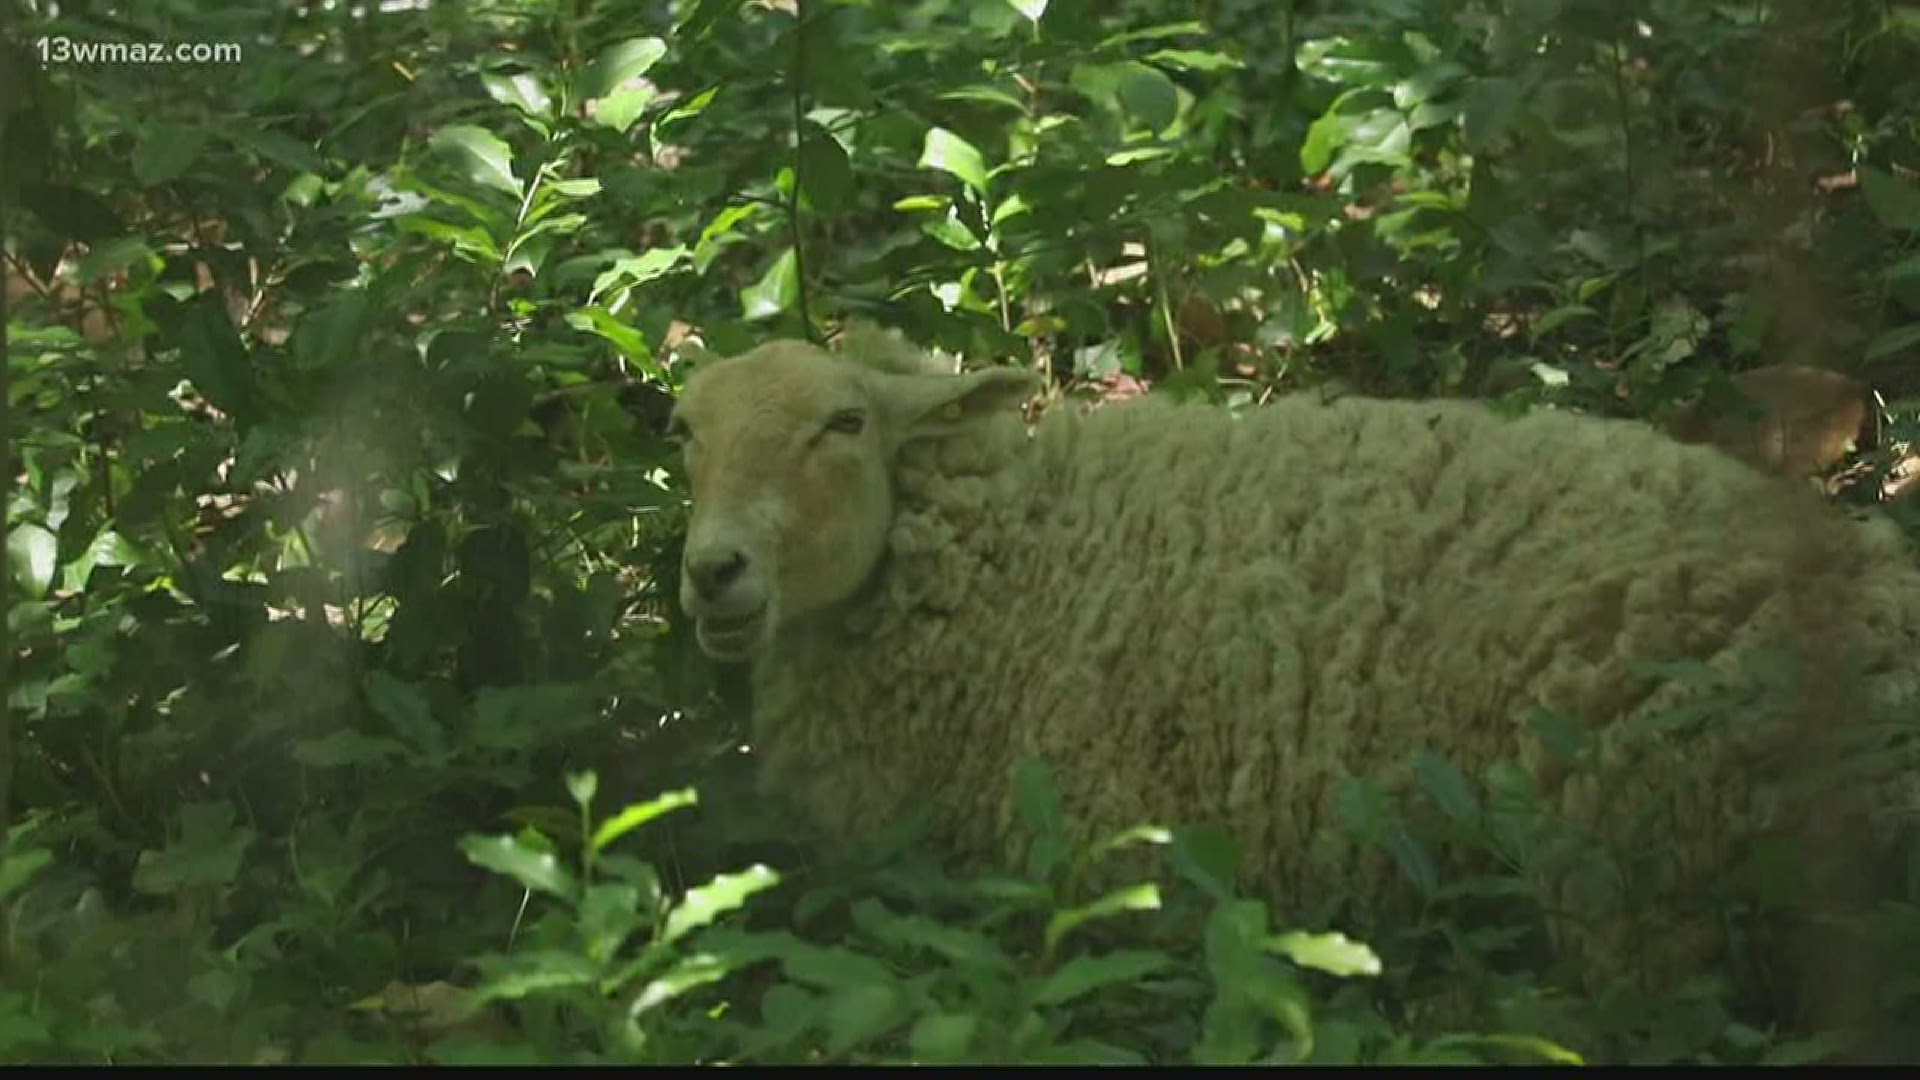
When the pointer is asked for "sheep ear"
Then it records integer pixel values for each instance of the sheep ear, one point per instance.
(929, 406)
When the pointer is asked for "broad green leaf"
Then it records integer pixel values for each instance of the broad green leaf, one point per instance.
(1193, 60)
(618, 63)
(609, 913)
(166, 151)
(776, 290)
(1333, 953)
(521, 90)
(941, 1038)
(1142, 897)
(536, 870)
(330, 333)
(1560, 316)
(1447, 786)
(405, 707)
(857, 1014)
(708, 902)
(18, 867)
(31, 554)
(950, 153)
(531, 971)
(690, 973)
(598, 321)
(110, 257)
(206, 855)
(633, 817)
(1896, 340)
(215, 360)
(1084, 974)
(483, 157)
(635, 270)
(824, 173)
(1894, 201)
(621, 108)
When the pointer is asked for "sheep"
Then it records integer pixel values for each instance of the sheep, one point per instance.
(1196, 615)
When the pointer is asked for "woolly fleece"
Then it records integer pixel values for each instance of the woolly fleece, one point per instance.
(1197, 616)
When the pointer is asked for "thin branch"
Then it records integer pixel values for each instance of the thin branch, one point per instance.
(797, 82)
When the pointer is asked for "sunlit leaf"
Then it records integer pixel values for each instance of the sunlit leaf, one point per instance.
(705, 903)
(534, 869)
(521, 90)
(637, 815)
(1032, 9)
(617, 63)
(483, 157)
(31, 554)
(776, 290)
(950, 153)
(1333, 953)
(1142, 897)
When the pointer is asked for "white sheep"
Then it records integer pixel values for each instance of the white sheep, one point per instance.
(1197, 616)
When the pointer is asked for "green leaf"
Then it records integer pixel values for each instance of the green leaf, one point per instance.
(1032, 9)
(857, 1014)
(1894, 201)
(582, 785)
(618, 63)
(941, 1038)
(639, 814)
(166, 151)
(690, 973)
(824, 172)
(1193, 60)
(776, 290)
(621, 108)
(531, 971)
(1526, 1044)
(405, 707)
(1893, 341)
(483, 157)
(708, 902)
(952, 154)
(521, 90)
(330, 334)
(1560, 316)
(216, 361)
(31, 555)
(629, 272)
(1447, 786)
(609, 914)
(207, 854)
(536, 870)
(1333, 953)
(600, 322)
(1141, 897)
(1084, 974)
(18, 867)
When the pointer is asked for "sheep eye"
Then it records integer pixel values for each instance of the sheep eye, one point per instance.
(847, 422)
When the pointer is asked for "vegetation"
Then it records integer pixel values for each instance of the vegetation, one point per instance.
(341, 531)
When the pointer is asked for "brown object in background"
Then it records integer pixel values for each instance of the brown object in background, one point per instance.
(1807, 419)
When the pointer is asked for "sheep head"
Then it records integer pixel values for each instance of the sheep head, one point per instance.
(789, 451)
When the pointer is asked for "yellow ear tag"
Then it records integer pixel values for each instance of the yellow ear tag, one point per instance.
(950, 411)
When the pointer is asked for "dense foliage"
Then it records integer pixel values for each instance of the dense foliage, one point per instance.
(341, 531)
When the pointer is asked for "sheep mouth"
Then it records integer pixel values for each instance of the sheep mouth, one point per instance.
(727, 637)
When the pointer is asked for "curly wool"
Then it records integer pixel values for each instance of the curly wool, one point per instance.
(1199, 617)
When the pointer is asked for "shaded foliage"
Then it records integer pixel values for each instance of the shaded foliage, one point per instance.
(341, 524)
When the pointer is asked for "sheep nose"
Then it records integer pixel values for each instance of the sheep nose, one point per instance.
(712, 572)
